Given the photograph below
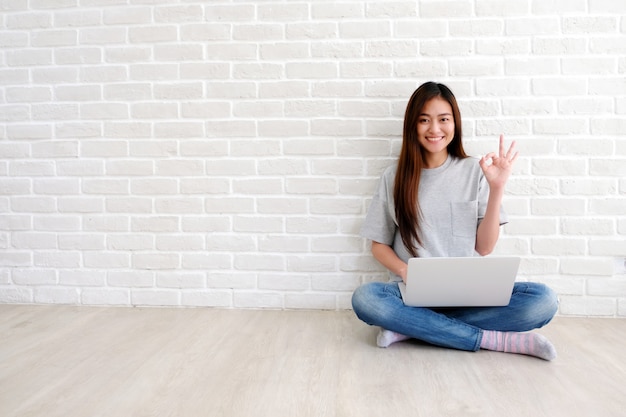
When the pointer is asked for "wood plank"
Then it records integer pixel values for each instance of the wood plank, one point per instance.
(79, 361)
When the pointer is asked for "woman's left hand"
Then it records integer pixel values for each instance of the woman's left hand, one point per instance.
(498, 171)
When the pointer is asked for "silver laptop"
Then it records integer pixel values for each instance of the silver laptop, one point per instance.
(460, 282)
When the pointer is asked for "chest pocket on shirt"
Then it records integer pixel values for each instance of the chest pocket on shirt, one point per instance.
(464, 218)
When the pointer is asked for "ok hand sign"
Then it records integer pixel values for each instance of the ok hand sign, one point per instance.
(497, 167)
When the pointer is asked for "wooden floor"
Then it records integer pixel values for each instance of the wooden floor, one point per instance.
(78, 361)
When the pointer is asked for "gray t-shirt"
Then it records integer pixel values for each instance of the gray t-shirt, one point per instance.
(453, 200)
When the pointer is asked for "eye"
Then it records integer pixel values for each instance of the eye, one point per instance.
(445, 119)
(423, 120)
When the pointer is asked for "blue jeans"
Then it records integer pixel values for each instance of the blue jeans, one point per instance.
(532, 305)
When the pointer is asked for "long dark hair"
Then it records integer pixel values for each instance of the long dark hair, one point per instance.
(411, 161)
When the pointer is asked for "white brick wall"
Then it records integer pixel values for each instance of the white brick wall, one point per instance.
(224, 153)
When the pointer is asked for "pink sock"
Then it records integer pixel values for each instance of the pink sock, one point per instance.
(387, 337)
(532, 344)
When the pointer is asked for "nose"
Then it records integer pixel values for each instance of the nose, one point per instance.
(434, 126)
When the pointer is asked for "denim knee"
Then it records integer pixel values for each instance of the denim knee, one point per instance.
(362, 297)
(548, 303)
(545, 303)
(366, 302)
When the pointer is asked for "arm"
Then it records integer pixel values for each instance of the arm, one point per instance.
(388, 258)
(489, 228)
(497, 173)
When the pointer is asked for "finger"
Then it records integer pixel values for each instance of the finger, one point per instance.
(502, 154)
(510, 153)
(489, 156)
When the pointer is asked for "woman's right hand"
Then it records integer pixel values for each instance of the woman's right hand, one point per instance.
(388, 258)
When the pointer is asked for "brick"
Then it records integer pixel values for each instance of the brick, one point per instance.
(207, 298)
(160, 33)
(532, 226)
(392, 9)
(558, 87)
(558, 6)
(533, 26)
(456, 8)
(283, 244)
(589, 24)
(231, 243)
(77, 18)
(33, 204)
(54, 111)
(81, 242)
(607, 86)
(278, 282)
(154, 298)
(335, 11)
(105, 297)
(499, 87)
(558, 246)
(55, 259)
(480, 66)
(311, 263)
(365, 29)
(336, 89)
(558, 207)
(258, 71)
(311, 186)
(606, 6)
(587, 227)
(586, 266)
(180, 280)
(582, 66)
(259, 262)
(256, 299)
(54, 38)
(284, 50)
(267, 205)
(33, 277)
(500, 47)
(230, 13)
(33, 20)
(588, 187)
(608, 126)
(52, 295)
(202, 224)
(253, 32)
(297, 31)
(226, 51)
(310, 301)
(558, 46)
(312, 70)
(607, 206)
(381, 49)
(585, 105)
(501, 8)
(178, 205)
(607, 247)
(531, 65)
(609, 167)
(426, 29)
(587, 306)
(258, 186)
(474, 27)
(281, 128)
(271, 224)
(311, 225)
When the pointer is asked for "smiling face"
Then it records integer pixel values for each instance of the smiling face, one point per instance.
(435, 131)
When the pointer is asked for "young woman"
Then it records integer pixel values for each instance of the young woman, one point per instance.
(437, 201)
